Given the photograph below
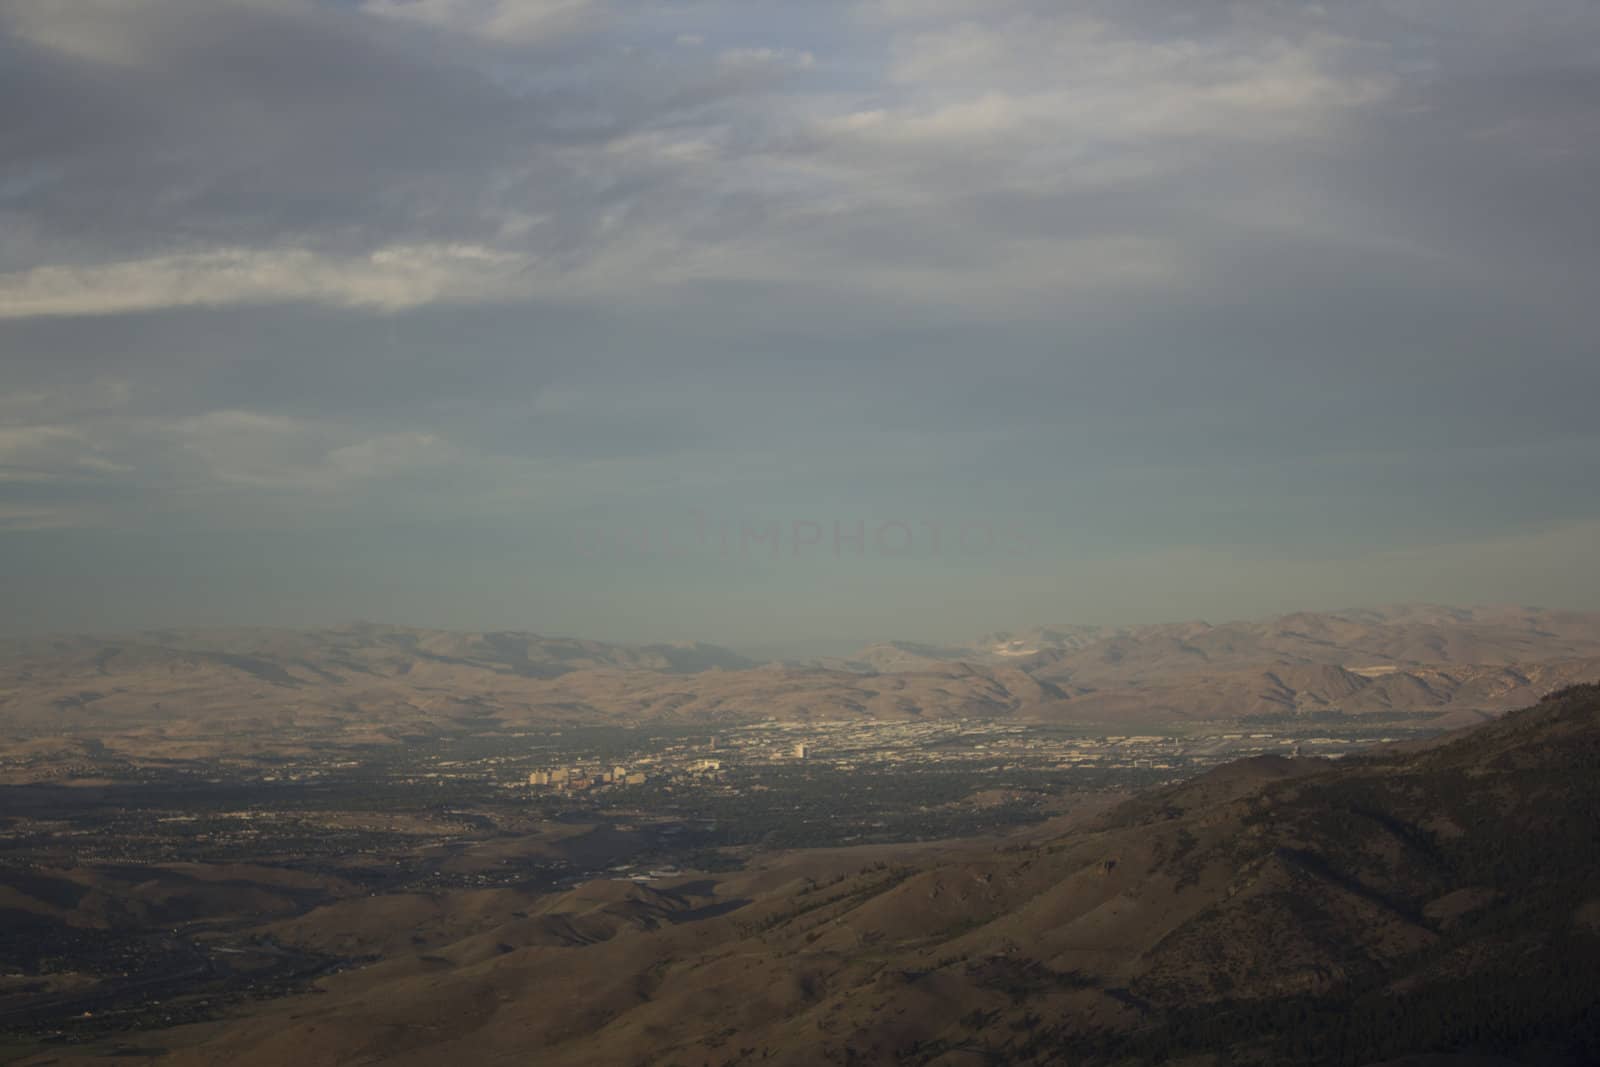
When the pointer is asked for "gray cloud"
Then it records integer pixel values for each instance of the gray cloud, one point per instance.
(1173, 275)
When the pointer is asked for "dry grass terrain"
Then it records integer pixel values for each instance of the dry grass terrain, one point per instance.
(180, 695)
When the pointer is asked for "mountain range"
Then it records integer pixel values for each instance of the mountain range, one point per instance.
(196, 693)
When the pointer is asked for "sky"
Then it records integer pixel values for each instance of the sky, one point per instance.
(775, 324)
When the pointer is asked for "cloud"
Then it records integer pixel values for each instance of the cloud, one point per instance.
(1208, 273)
(603, 178)
(77, 400)
(15, 518)
(117, 33)
(252, 450)
(744, 59)
(511, 21)
(386, 279)
(25, 449)
(1081, 82)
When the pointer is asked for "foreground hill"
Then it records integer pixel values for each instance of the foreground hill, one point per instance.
(1275, 911)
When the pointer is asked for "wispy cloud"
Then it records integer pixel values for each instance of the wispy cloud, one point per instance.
(510, 21)
(389, 278)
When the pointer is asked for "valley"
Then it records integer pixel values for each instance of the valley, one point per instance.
(143, 900)
(924, 859)
(1272, 909)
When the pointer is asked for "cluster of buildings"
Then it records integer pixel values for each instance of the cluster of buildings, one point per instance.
(877, 746)
(677, 762)
(729, 758)
(577, 779)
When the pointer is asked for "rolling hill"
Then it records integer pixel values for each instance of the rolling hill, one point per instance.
(69, 703)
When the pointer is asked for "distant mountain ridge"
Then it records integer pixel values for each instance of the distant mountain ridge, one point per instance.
(202, 691)
(1402, 636)
(1465, 663)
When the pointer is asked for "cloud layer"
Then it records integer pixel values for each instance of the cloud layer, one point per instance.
(1177, 277)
